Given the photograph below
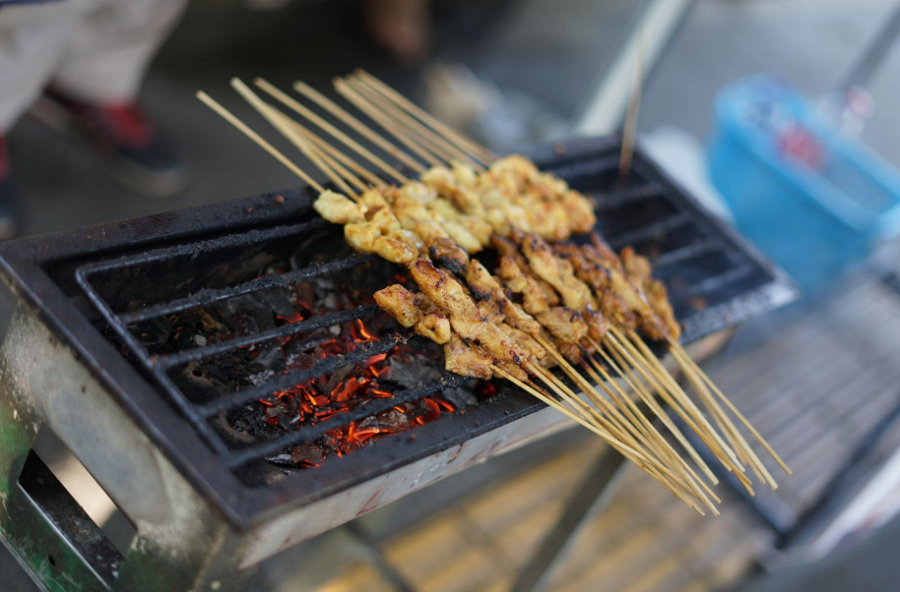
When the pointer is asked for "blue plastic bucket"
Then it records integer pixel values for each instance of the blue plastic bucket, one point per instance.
(811, 199)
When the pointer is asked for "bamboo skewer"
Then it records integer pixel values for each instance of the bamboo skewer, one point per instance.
(650, 401)
(347, 140)
(713, 442)
(381, 119)
(662, 445)
(283, 124)
(589, 390)
(324, 155)
(664, 475)
(364, 130)
(309, 140)
(678, 351)
(611, 427)
(462, 142)
(434, 141)
(339, 156)
(230, 118)
(735, 438)
(622, 449)
(680, 401)
(278, 121)
(631, 117)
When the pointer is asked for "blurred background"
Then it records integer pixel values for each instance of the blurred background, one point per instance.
(819, 379)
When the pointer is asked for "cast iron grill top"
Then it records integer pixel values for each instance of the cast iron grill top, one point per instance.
(85, 280)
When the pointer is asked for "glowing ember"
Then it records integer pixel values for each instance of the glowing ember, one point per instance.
(320, 399)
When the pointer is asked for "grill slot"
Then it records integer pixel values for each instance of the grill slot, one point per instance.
(701, 265)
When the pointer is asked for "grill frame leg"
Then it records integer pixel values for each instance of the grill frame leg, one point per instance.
(183, 542)
(42, 526)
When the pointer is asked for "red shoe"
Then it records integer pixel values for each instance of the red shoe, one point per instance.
(133, 148)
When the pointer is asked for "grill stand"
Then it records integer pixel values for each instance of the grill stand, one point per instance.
(182, 543)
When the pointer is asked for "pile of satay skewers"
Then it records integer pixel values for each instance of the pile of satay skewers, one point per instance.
(582, 309)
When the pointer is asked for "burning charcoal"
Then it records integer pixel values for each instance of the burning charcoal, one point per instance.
(305, 344)
(248, 314)
(460, 397)
(305, 294)
(410, 375)
(282, 460)
(268, 358)
(153, 333)
(393, 421)
(279, 302)
(261, 377)
(338, 377)
(307, 455)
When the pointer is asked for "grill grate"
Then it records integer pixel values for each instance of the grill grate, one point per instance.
(704, 268)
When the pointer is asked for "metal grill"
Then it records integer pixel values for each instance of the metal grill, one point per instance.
(713, 280)
(160, 366)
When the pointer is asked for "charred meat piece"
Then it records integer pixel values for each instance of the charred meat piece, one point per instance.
(564, 324)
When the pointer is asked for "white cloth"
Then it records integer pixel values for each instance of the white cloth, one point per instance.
(95, 50)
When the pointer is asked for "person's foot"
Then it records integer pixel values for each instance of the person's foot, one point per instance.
(8, 218)
(133, 148)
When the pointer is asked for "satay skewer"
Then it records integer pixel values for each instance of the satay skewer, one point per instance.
(634, 432)
(659, 380)
(706, 433)
(636, 386)
(278, 121)
(661, 445)
(588, 389)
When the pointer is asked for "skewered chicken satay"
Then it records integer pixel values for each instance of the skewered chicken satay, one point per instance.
(596, 273)
(414, 311)
(409, 206)
(467, 359)
(514, 194)
(460, 358)
(622, 299)
(465, 318)
(368, 226)
(640, 272)
(517, 263)
(534, 298)
(556, 272)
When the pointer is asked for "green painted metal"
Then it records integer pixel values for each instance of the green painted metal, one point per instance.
(40, 548)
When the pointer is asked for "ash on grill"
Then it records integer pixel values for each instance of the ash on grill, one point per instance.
(315, 400)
